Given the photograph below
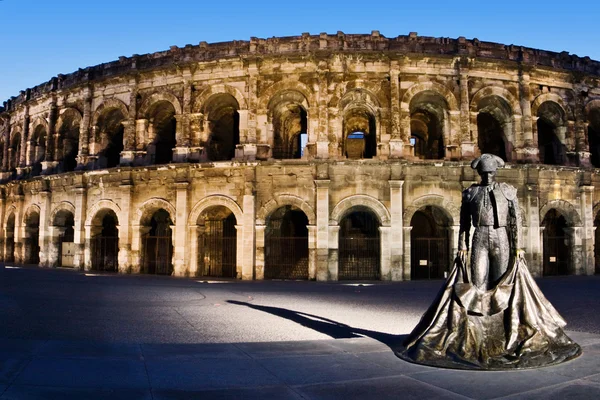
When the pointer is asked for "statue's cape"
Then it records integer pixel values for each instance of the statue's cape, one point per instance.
(511, 326)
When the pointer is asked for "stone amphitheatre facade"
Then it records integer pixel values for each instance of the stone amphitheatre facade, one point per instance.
(322, 157)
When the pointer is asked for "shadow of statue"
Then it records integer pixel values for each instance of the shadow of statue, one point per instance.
(334, 329)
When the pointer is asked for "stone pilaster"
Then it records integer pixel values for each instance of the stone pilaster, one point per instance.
(124, 257)
(406, 272)
(322, 229)
(385, 234)
(45, 233)
(248, 249)
(180, 266)
(129, 139)
(82, 233)
(84, 131)
(397, 229)
(586, 201)
(333, 257)
(533, 241)
(24, 140)
(322, 145)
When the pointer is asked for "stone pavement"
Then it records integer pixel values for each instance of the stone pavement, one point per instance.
(357, 368)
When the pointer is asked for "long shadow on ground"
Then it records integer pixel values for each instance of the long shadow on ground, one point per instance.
(326, 326)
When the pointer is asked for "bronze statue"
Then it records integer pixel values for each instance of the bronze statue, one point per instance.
(490, 314)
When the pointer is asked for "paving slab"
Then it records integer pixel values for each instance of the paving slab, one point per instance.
(192, 350)
(88, 349)
(24, 392)
(11, 366)
(489, 384)
(321, 369)
(287, 349)
(359, 345)
(396, 387)
(582, 390)
(390, 362)
(584, 338)
(85, 373)
(208, 373)
(261, 393)
(583, 366)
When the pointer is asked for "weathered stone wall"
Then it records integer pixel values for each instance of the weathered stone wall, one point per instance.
(421, 104)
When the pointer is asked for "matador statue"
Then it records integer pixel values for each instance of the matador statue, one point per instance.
(490, 313)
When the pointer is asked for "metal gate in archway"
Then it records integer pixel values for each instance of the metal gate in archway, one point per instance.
(287, 257)
(429, 257)
(32, 250)
(359, 247)
(104, 252)
(217, 249)
(556, 255)
(157, 255)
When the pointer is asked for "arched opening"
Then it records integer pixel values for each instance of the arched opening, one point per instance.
(223, 126)
(360, 136)
(64, 238)
(217, 243)
(359, 246)
(287, 111)
(157, 254)
(9, 240)
(111, 138)
(594, 136)
(163, 128)
(31, 249)
(495, 127)
(428, 122)
(38, 150)
(286, 244)
(14, 152)
(429, 244)
(105, 241)
(557, 247)
(551, 127)
(68, 133)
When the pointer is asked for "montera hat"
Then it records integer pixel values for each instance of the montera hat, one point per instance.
(487, 163)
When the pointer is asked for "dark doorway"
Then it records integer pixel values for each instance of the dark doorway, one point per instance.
(32, 239)
(105, 245)
(286, 244)
(359, 246)
(429, 244)
(557, 249)
(9, 254)
(217, 245)
(158, 245)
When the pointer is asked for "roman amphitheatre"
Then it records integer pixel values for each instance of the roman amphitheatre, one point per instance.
(317, 157)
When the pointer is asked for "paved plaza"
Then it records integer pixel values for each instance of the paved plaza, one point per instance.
(71, 335)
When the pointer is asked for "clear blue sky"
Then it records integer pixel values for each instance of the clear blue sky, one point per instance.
(43, 38)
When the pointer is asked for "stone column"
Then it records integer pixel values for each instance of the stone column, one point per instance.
(19, 229)
(84, 131)
(25, 136)
(125, 263)
(467, 140)
(397, 231)
(180, 152)
(129, 136)
(396, 143)
(45, 238)
(192, 259)
(2, 227)
(52, 141)
(385, 258)
(407, 259)
(82, 233)
(248, 244)
(259, 269)
(533, 243)
(141, 128)
(333, 259)
(586, 199)
(322, 148)
(322, 227)
(526, 147)
(312, 252)
(239, 261)
(541, 251)
(195, 127)
(7, 142)
(179, 265)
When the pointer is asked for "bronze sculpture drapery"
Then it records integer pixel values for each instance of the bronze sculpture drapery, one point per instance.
(490, 314)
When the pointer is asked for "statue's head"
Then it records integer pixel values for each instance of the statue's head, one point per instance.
(486, 167)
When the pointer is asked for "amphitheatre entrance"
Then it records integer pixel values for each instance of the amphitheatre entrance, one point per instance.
(429, 244)
(217, 243)
(286, 244)
(105, 242)
(157, 244)
(359, 246)
(557, 249)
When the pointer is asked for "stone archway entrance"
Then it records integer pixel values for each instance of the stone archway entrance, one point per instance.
(9, 240)
(429, 244)
(286, 244)
(31, 244)
(63, 238)
(217, 243)
(105, 242)
(359, 246)
(557, 244)
(157, 245)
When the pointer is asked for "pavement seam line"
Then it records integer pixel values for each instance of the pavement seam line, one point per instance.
(146, 369)
(539, 389)
(440, 388)
(268, 371)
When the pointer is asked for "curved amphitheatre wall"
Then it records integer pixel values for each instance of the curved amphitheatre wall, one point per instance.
(395, 119)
